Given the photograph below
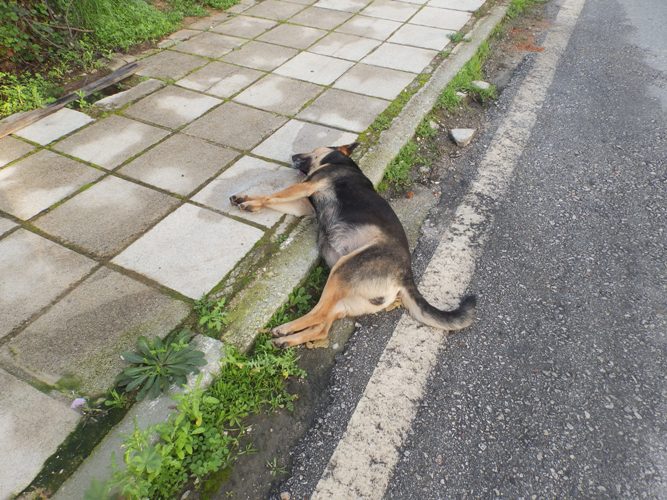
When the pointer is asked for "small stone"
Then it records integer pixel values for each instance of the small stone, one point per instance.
(461, 95)
(285, 495)
(433, 124)
(481, 85)
(462, 136)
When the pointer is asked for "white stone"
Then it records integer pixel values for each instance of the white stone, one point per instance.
(462, 136)
(54, 126)
(481, 85)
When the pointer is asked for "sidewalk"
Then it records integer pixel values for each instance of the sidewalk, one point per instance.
(109, 228)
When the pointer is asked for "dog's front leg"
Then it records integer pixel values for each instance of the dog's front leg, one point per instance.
(286, 197)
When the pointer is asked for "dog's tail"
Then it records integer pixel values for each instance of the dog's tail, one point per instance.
(422, 311)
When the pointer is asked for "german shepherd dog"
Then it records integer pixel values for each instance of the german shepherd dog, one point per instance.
(361, 240)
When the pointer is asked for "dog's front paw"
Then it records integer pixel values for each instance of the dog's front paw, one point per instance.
(237, 200)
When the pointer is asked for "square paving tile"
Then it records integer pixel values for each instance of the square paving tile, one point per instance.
(298, 37)
(279, 94)
(33, 426)
(180, 164)
(209, 44)
(6, 225)
(259, 55)
(369, 27)
(441, 18)
(344, 46)
(234, 125)
(111, 141)
(314, 68)
(172, 107)
(248, 176)
(390, 55)
(121, 99)
(169, 64)
(82, 335)
(301, 137)
(33, 272)
(54, 126)
(245, 26)
(325, 19)
(422, 36)
(37, 182)
(389, 9)
(345, 110)
(208, 22)
(220, 79)
(468, 5)
(344, 5)
(274, 9)
(107, 216)
(375, 81)
(191, 250)
(12, 149)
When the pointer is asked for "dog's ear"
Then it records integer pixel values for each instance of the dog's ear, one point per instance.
(348, 148)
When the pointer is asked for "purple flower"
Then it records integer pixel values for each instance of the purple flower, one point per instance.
(78, 403)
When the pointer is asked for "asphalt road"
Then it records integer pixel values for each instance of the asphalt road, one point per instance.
(560, 388)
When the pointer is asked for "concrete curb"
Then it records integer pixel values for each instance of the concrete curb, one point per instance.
(251, 309)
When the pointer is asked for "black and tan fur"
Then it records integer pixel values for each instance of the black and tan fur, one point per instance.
(361, 240)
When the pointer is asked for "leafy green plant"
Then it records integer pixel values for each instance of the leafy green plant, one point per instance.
(212, 314)
(275, 468)
(117, 400)
(157, 364)
(458, 37)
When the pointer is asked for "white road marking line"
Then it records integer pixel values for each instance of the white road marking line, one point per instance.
(363, 462)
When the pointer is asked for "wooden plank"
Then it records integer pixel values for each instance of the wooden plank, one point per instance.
(21, 120)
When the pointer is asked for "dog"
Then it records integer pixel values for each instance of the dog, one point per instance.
(361, 240)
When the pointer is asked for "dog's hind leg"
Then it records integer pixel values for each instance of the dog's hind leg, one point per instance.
(317, 332)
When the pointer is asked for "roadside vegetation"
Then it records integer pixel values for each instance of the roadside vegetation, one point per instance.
(45, 45)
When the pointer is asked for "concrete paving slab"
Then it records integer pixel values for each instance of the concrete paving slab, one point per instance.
(248, 176)
(168, 64)
(234, 125)
(172, 107)
(185, 250)
(298, 37)
(260, 55)
(467, 5)
(344, 46)
(245, 26)
(81, 337)
(117, 101)
(210, 44)
(441, 18)
(388, 9)
(422, 36)
(32, 426)
(11, 149)
(106, 217)
(279, 94)
(37, 182)
(274, 9)
(369, 27)
(180, 164)
(111, 141)
(33, 272)
(241, 7)
(314, 68)
(304, 2)
(345, 110)
(325, 19)
(391, 55)
(344, 5)
(6, 225)
(54, 126)
(220, 79)
(184, 34)
(375, 81)
(208, 22)
(301, 137)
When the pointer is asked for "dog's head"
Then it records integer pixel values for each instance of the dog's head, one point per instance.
(310, 162)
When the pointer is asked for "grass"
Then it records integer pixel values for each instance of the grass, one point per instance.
(397, 175)
(518, 7)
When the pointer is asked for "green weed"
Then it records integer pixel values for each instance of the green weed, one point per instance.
(517, 7)
(23, 93)
(212, 314)
(397, 175)
(275, 468)
(117, 400)
(458, 37)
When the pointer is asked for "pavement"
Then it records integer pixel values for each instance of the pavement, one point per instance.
(558, 226)
(111, 226)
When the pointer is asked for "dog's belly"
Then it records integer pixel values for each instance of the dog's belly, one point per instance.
(340, 239)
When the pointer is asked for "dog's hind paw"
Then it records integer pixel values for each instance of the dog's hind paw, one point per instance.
(280, 343)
